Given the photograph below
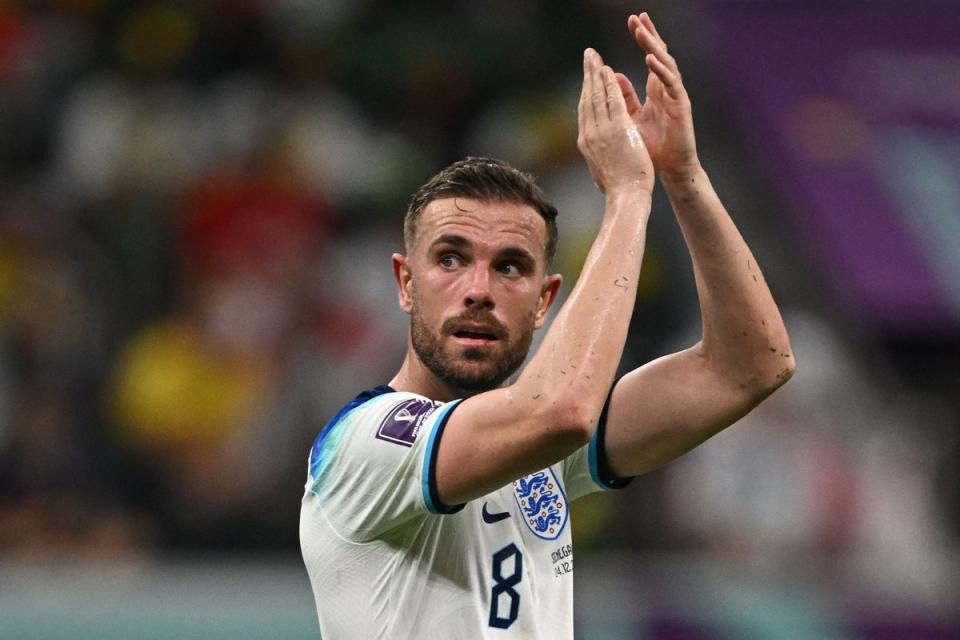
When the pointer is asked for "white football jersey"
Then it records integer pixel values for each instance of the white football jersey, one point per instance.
(387, 560)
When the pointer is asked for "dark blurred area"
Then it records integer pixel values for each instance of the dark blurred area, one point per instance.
(199, 199)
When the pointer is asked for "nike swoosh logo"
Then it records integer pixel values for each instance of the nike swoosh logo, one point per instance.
(490, 518)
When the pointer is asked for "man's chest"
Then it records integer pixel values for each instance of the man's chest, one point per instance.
(525, 522)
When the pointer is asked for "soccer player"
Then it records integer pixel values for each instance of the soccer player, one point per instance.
(438, 506)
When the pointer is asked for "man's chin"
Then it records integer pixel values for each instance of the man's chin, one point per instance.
(475, 374)
(468, 369)
(478, 355)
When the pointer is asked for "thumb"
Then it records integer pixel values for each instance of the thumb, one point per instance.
(629, 94)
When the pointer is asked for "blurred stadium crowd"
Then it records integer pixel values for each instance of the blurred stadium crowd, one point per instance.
(198, 201)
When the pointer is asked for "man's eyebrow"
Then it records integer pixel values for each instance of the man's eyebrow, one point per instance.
(510, 252)
(451, 239)
(517, 253)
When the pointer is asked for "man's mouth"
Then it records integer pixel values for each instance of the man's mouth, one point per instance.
(474, 336)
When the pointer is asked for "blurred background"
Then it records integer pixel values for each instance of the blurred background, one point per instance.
(198, 203)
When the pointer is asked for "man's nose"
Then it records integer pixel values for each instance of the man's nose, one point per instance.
(478, 291)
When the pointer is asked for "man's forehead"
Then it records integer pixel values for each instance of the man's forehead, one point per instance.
(513, 221)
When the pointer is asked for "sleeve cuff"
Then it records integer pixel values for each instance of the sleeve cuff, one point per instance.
(429, 474)
(600, 471)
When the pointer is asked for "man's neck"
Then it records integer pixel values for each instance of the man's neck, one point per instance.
(415, 377)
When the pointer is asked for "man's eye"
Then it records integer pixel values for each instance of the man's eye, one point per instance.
(510, 269)
(449, 261)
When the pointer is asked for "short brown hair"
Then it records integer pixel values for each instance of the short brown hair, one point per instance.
(487, 180)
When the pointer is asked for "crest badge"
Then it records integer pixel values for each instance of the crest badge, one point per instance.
(543, 503)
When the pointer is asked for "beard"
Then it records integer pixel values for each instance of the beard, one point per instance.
(470, 370)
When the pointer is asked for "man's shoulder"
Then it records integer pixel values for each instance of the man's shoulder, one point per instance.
(393, 416)
(383, 402)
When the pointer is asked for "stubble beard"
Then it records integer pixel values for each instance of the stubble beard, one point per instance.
(473, 370)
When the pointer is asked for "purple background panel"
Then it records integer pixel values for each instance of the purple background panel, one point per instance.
(402, 424)
(810, 85)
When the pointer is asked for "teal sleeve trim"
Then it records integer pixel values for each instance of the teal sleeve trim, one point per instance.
(600, 472)
(428, 482)
(318, 458)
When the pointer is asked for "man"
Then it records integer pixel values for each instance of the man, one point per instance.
(438, 506)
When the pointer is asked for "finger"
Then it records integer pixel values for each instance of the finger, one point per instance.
(630, 97)
(597, 92)
(652, 44)
(589, 115)
(633, 23)
(646, 20)
(668, 78)
(616, 107)
(597, 58)
(584, 105)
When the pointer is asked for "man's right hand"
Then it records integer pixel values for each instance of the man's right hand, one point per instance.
(609, 139)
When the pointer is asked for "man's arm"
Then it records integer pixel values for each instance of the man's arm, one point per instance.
(672, 404)
(553, 408)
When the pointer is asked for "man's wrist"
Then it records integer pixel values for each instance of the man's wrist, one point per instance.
(686, 177)
(632, 192)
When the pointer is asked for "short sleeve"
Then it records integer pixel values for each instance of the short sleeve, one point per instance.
(586, 470)
(373, 467)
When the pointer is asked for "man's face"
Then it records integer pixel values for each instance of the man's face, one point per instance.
(476, 288)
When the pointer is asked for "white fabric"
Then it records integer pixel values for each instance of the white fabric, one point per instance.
(384, 563)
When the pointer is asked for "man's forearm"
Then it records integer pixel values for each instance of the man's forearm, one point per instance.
(581, 351)
(553, 408)
(743, 331)
(670, 405)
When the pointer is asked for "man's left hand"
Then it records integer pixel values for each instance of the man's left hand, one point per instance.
(665, 119)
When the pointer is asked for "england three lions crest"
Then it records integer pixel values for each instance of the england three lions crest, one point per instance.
(543, 503)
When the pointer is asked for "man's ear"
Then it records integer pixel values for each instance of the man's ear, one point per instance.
(548, 294)
(404, 278)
